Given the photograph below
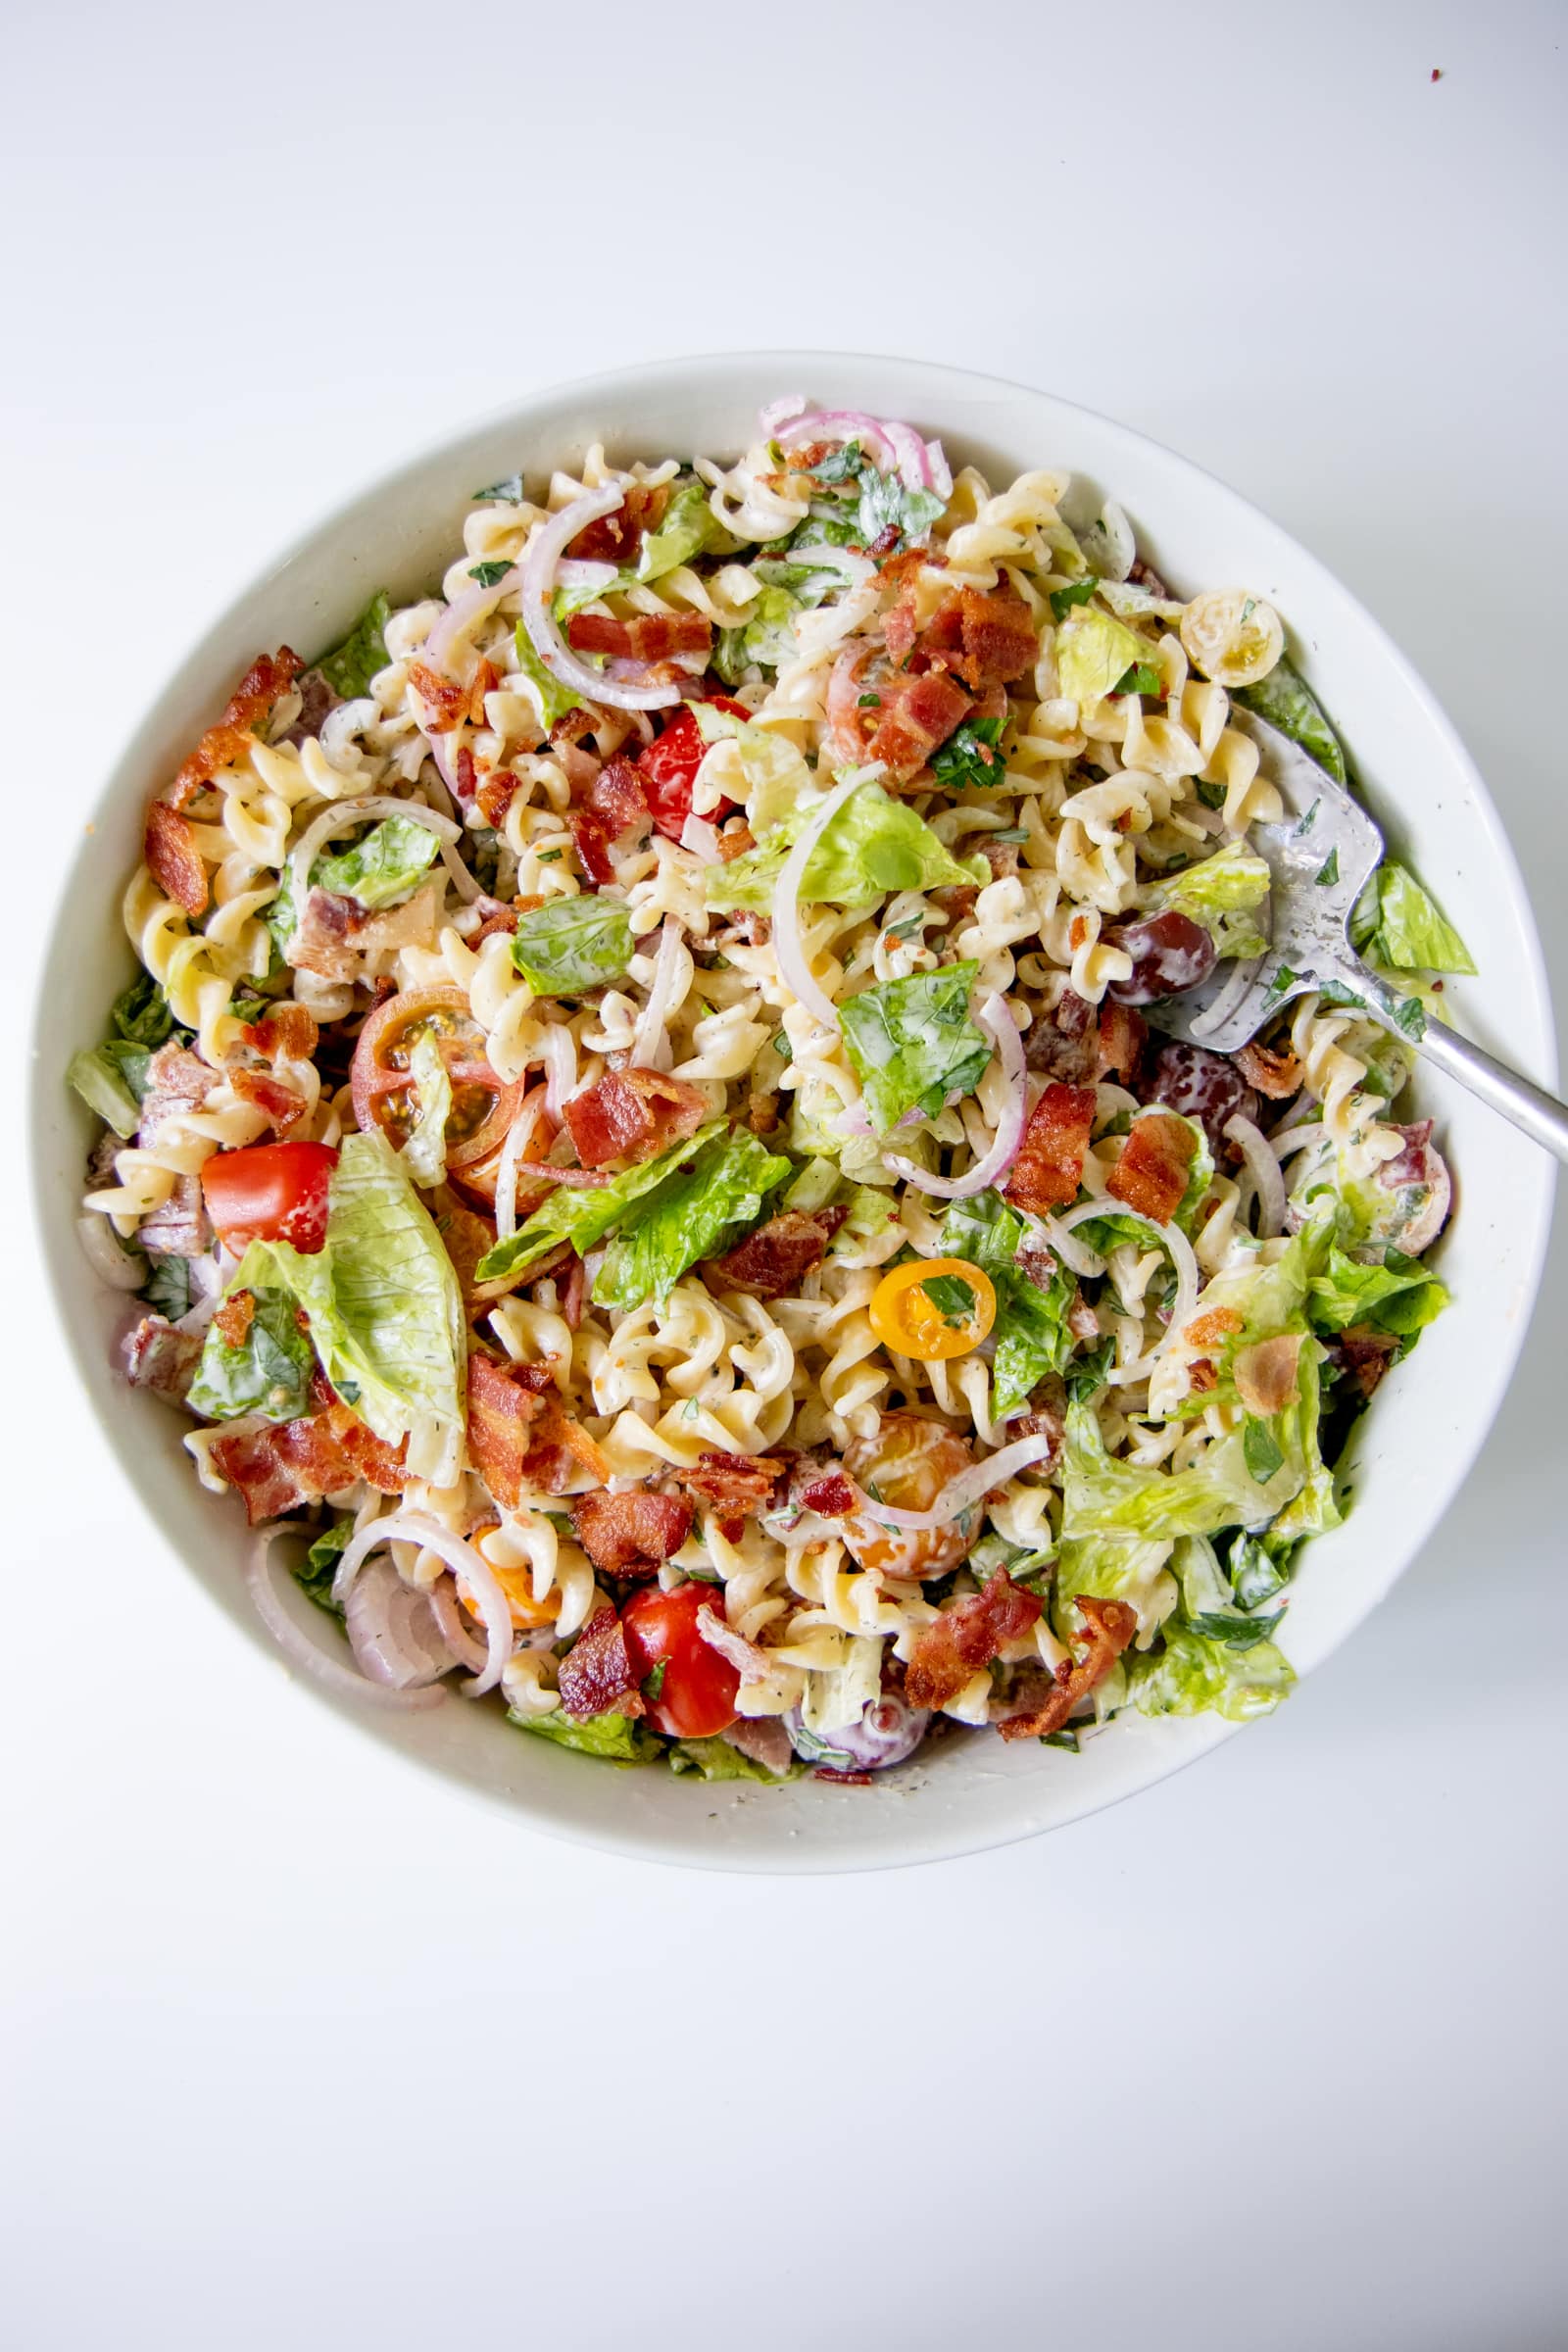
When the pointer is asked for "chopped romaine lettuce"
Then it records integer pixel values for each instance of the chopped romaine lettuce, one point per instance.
(555, 700)
(821, 1184)
(350, 666)
(1101, 1495)
(1407, 933)
(112, 1078)
(690, 1217)
(382, 866)
(1093, 654)
(1190, 1675)
(269, 1372)
(101, 1085)
(1286, 700)
(570, 945)
(1401, 1295)
(141, 1014)
(872, 845)
(318, 1571)
(717, 1760)
(775, 771)
(913, 1043)
(686, 529)
(1222, 892)
(1030, 1331)
(1112, 1568)
(585, 1217)
(618, 1739)
(885, 501)
(425, 1155)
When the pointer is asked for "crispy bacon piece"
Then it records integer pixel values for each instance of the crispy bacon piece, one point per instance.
(1151, 1175)
(615, 806)
(1265, 1374)
(467, 1237)
(1064, 1042)
(159, 1357)
(179, 1227)
(173, 861)
(597, 1674)
(1209, 1329)
(988, 638)
(282, 1104)
(735, 1487)
(966, 1635)
(1277, 1075)
(494, 793)
(177, 1081)
(335, 935)
(735, 840)
(1122, 1035)
(277, 1469)
(446, 702)
(830, 1496)
(379, 1465)
(561, 1448)
(1047, 1420)
(632, 1114)
(916, 714)
(631, 1535)
(616, 538)
(501, 1414)
(1111, 1626)
(573, 1293)
(650, 637)
(1363, 1354)
(1049, 1165)
(269, 677)
(773, 1259)
(289, 1032)
(485, 679)
(1201, 1376)
(235, 1317)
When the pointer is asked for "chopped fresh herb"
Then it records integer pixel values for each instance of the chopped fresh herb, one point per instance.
(508, 491)
(1410, 1017)
(489, 576)
(1086, 1374)
(1334, 992)
(1062, 600)
(1260, 1449)
(1329, 870)
(1138, 678)
(350, 666)
(1236, 1632)
(1308, 820)
(1066, 1739)
(1210, 793)
(318, 1570)
(869, 702)
(550, 856)
(783, 1048)
(1283, 979)
(970, 755)
(1249, 609)
(911, 929)
(953, 1298)
(654, 1680)
(1008, 833)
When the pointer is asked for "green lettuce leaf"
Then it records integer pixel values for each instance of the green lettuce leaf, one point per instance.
(1222, 892)
(690, 1217)
(685, 531)
(1030, 1331)
(585, 1217)
(169, 1289)
(269, 1372)
(1126, 1568)
(1409, 934)
(1286, 700)
(98, 1079)
(911, 1042)
(1401, 1295)
(382, 866)
(425, 1155)
(350, 666)
(775, 771)
(318, 1570)
(1101, 1495)
(1190, 1675)
(717, 1760)
(112, 1078)
(141, 1014)
(872, 845)
(614, 1737)
(1093, 654)
(571, 945)
(885, 501)
(555, 700)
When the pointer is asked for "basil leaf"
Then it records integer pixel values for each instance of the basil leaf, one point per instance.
(953, 1298)
(489, 576)
(1286, 700)
(913, 1043)
(268, 1372)
(571, 945)
(1062, 600)
(1260, 1449)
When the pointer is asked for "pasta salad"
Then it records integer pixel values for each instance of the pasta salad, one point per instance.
(643, 1151)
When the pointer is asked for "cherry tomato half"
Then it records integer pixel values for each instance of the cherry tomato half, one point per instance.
(697, 1696)
(271, 1192)
(669, 767)
(908, 1464)
(385, 1094)
(933, 1308)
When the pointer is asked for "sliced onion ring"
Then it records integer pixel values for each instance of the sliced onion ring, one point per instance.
(538, 587)
(455, 1634)
(997, 1020)
(787, 945)
(517, 1138)
(650, 1040)
(472, 606)
(1264, 1168)
(343, 815)
(417, 1527)
(298, 1646)
(960, 1493)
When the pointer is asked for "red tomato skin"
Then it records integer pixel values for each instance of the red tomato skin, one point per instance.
(271, 1192)
(697, 1696)
(669, 767)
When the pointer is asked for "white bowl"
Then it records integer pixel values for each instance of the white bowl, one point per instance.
(1429, 1421)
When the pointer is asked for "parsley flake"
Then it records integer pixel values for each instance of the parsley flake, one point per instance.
(1062, 600)
(953, 1298)
(1329, 870)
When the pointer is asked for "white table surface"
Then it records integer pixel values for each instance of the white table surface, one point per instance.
(302, 2049)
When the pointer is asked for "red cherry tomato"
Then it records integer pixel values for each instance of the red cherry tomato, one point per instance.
(271, 1192)
(697, 1696)
(669, 767)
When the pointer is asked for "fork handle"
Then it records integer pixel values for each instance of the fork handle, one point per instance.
(1528, 1106)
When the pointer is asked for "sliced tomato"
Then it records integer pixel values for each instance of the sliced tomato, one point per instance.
(669, 767)
(271, 1192)
(384, 1091)
(697, 1693)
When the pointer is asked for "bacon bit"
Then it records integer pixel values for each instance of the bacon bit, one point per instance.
(1063, 1043)
(631, 1535)
(632, 1114)
(806, 457)
(464, 775)
(831, 1498)
(916, 714)
(966, 1635)
(1277, 1075)
(1265, 1374)
(1077, 932)
(775, 1257)
(268, 678)
(650, 637)
(335, 935)
(845, 1779)
(467, 1237)
(573, 1294)
(282, 1104)
(1081, 1319)
(735, 840)
(1364, 1354)
(1151, 1175)
(379, 1465)
(736, 1487)
(159, 1357)
(561, 1447)
(499, 918)
(749, 1661)
(762, 1117)
(446, 702)
(495, 793)
(988, 637)
(289, 1032)
(486, 678)
(173, 861)
(1110, 1624)
(177, 1081)
(1123, 1034)
(597, 1675)
(235, 1317)
(616, 538)
(1205, 1330)
(501, 1411)
(955, 901)
(277, 1469)
(1201, 1376)
(615, 806)
(1049, 1165)
(1049, 1421)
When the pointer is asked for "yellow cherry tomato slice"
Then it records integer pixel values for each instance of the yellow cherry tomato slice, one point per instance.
(933, 1308)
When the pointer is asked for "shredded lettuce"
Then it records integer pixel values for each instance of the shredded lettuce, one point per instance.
(687, 529)
(425, 1155)
(101, 1083)
(775, 771)
(585, 1217)
(1406, 932)
(873, 844)
(1286, 700)
(140, 1015)
(1194, 1675)
(1401, 1295)
(1223, 894)
(717, 1760)
(318, 1571)
(913, 1043)
(616, 1739)
(269, 1372)
(821, 1184)
(690, 1217)
(1093, 654)
(1030, 1331)
(766, 636)
(570, 945)
(1101, 1495)
(555, 700)
(382, 866)
(1126, 1568)
(350, 666)
(112, 1078)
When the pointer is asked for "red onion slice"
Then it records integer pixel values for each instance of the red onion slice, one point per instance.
(392, 1631)
(538, 587)
(469, 1652)
(787, 945)
(297, 1644)
(559, 1054)
(417, 1527)
(519, 1135)
(891, 446)
(472, 606)
(700, 838)
(838, 425)
(779, 412)
(650, 1040)
(1264, 1168)
(577, 575)
(998, 1023)
(956, 1496)
(914, 461)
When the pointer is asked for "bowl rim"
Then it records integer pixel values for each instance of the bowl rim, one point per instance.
(922, 1840)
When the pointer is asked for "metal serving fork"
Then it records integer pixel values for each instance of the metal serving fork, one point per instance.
(1320, 855)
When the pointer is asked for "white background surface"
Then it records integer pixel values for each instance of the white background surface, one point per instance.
(300, 2048)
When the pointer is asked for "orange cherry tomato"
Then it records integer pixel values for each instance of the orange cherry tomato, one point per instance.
(384, 1093)
(933, 1308)
(910, 1463)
